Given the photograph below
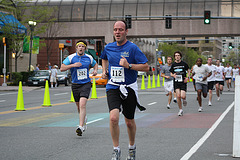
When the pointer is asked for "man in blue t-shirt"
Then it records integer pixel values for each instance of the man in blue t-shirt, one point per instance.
(122, 59)
(79, 64)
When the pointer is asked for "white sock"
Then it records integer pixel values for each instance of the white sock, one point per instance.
(132, 147)
(117, 148)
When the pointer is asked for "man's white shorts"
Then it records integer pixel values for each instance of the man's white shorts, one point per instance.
(53, 79)
(168, 86)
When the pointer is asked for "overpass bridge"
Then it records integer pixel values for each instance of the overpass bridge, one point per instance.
(152, 29)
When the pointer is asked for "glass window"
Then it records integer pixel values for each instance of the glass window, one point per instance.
(103, 12)
(170, 9)
(236, 9)
(156, 9)
(130, 9)
(77, 11)
(117, 1)
(225, 9)
(213, 7)
(104, 1)
(144, 1)
(90, 12)
(130, 1)
(184, 9)
(157, 1)
(143, 10)
(116, 10)
(65, 13)
(184, 0)
(171, 1)
(197, 9)
(54, 3)
(67, 2)
(92, 1)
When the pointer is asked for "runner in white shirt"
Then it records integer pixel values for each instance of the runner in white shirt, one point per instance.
(202, 72)
(228, 75)
(219, 78)
(235, 71)
(211, 79)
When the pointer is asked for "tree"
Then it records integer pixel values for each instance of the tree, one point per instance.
(23, 13)
(231, 58)
(189, 55)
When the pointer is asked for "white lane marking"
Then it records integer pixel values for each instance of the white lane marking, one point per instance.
(8, 93)
(206, 135)
(2, 100)
(188, 93)
(60, 94)
(152, 103)
(95, 120)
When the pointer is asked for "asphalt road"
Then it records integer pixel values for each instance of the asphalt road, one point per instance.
(44, 133)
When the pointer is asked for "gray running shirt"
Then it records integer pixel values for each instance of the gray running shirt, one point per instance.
(165, 70)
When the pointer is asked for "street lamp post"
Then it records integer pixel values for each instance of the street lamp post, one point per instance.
(31, 24)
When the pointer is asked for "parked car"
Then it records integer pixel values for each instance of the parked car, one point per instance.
(64, 77)
(38, 78)
(98, 78)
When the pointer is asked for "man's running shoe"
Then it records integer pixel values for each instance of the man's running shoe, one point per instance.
(175, 100)
(85, 124)
(218, 98)
(116, 155)
(131, 154)
(168, 106)
(79, 131)
(209, 103)
(200, 109)
(180, 113)
(184, 102)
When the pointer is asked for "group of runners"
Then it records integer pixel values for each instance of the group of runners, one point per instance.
(120, 62)
(205, 77)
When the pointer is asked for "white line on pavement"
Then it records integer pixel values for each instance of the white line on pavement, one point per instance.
(2, 100)
(60, 94)
(206, 135)
(8, 93)
(152, 103)
(95, 120)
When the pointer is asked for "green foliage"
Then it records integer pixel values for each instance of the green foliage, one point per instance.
(16, 77)
(189, 55)
(20, 76)
(231, 58)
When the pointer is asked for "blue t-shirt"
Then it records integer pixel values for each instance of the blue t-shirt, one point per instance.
(80, 75)
(113, 54)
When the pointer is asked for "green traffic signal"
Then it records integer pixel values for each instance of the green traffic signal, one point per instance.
(230, 47)
(206, 21)
(207, 17)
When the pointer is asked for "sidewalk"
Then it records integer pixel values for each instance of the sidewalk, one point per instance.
(15, 88)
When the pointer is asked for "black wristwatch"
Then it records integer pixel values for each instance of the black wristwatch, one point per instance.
(129, 66)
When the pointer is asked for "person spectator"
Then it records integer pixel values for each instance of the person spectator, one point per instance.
(53, 76)
(37, 67)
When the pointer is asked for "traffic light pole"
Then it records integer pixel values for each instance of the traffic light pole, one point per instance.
(4, 68)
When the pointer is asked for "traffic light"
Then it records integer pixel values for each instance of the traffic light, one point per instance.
(168, 22)
(207, 17)
(128, 19)
(230, 45)
(99, 48)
